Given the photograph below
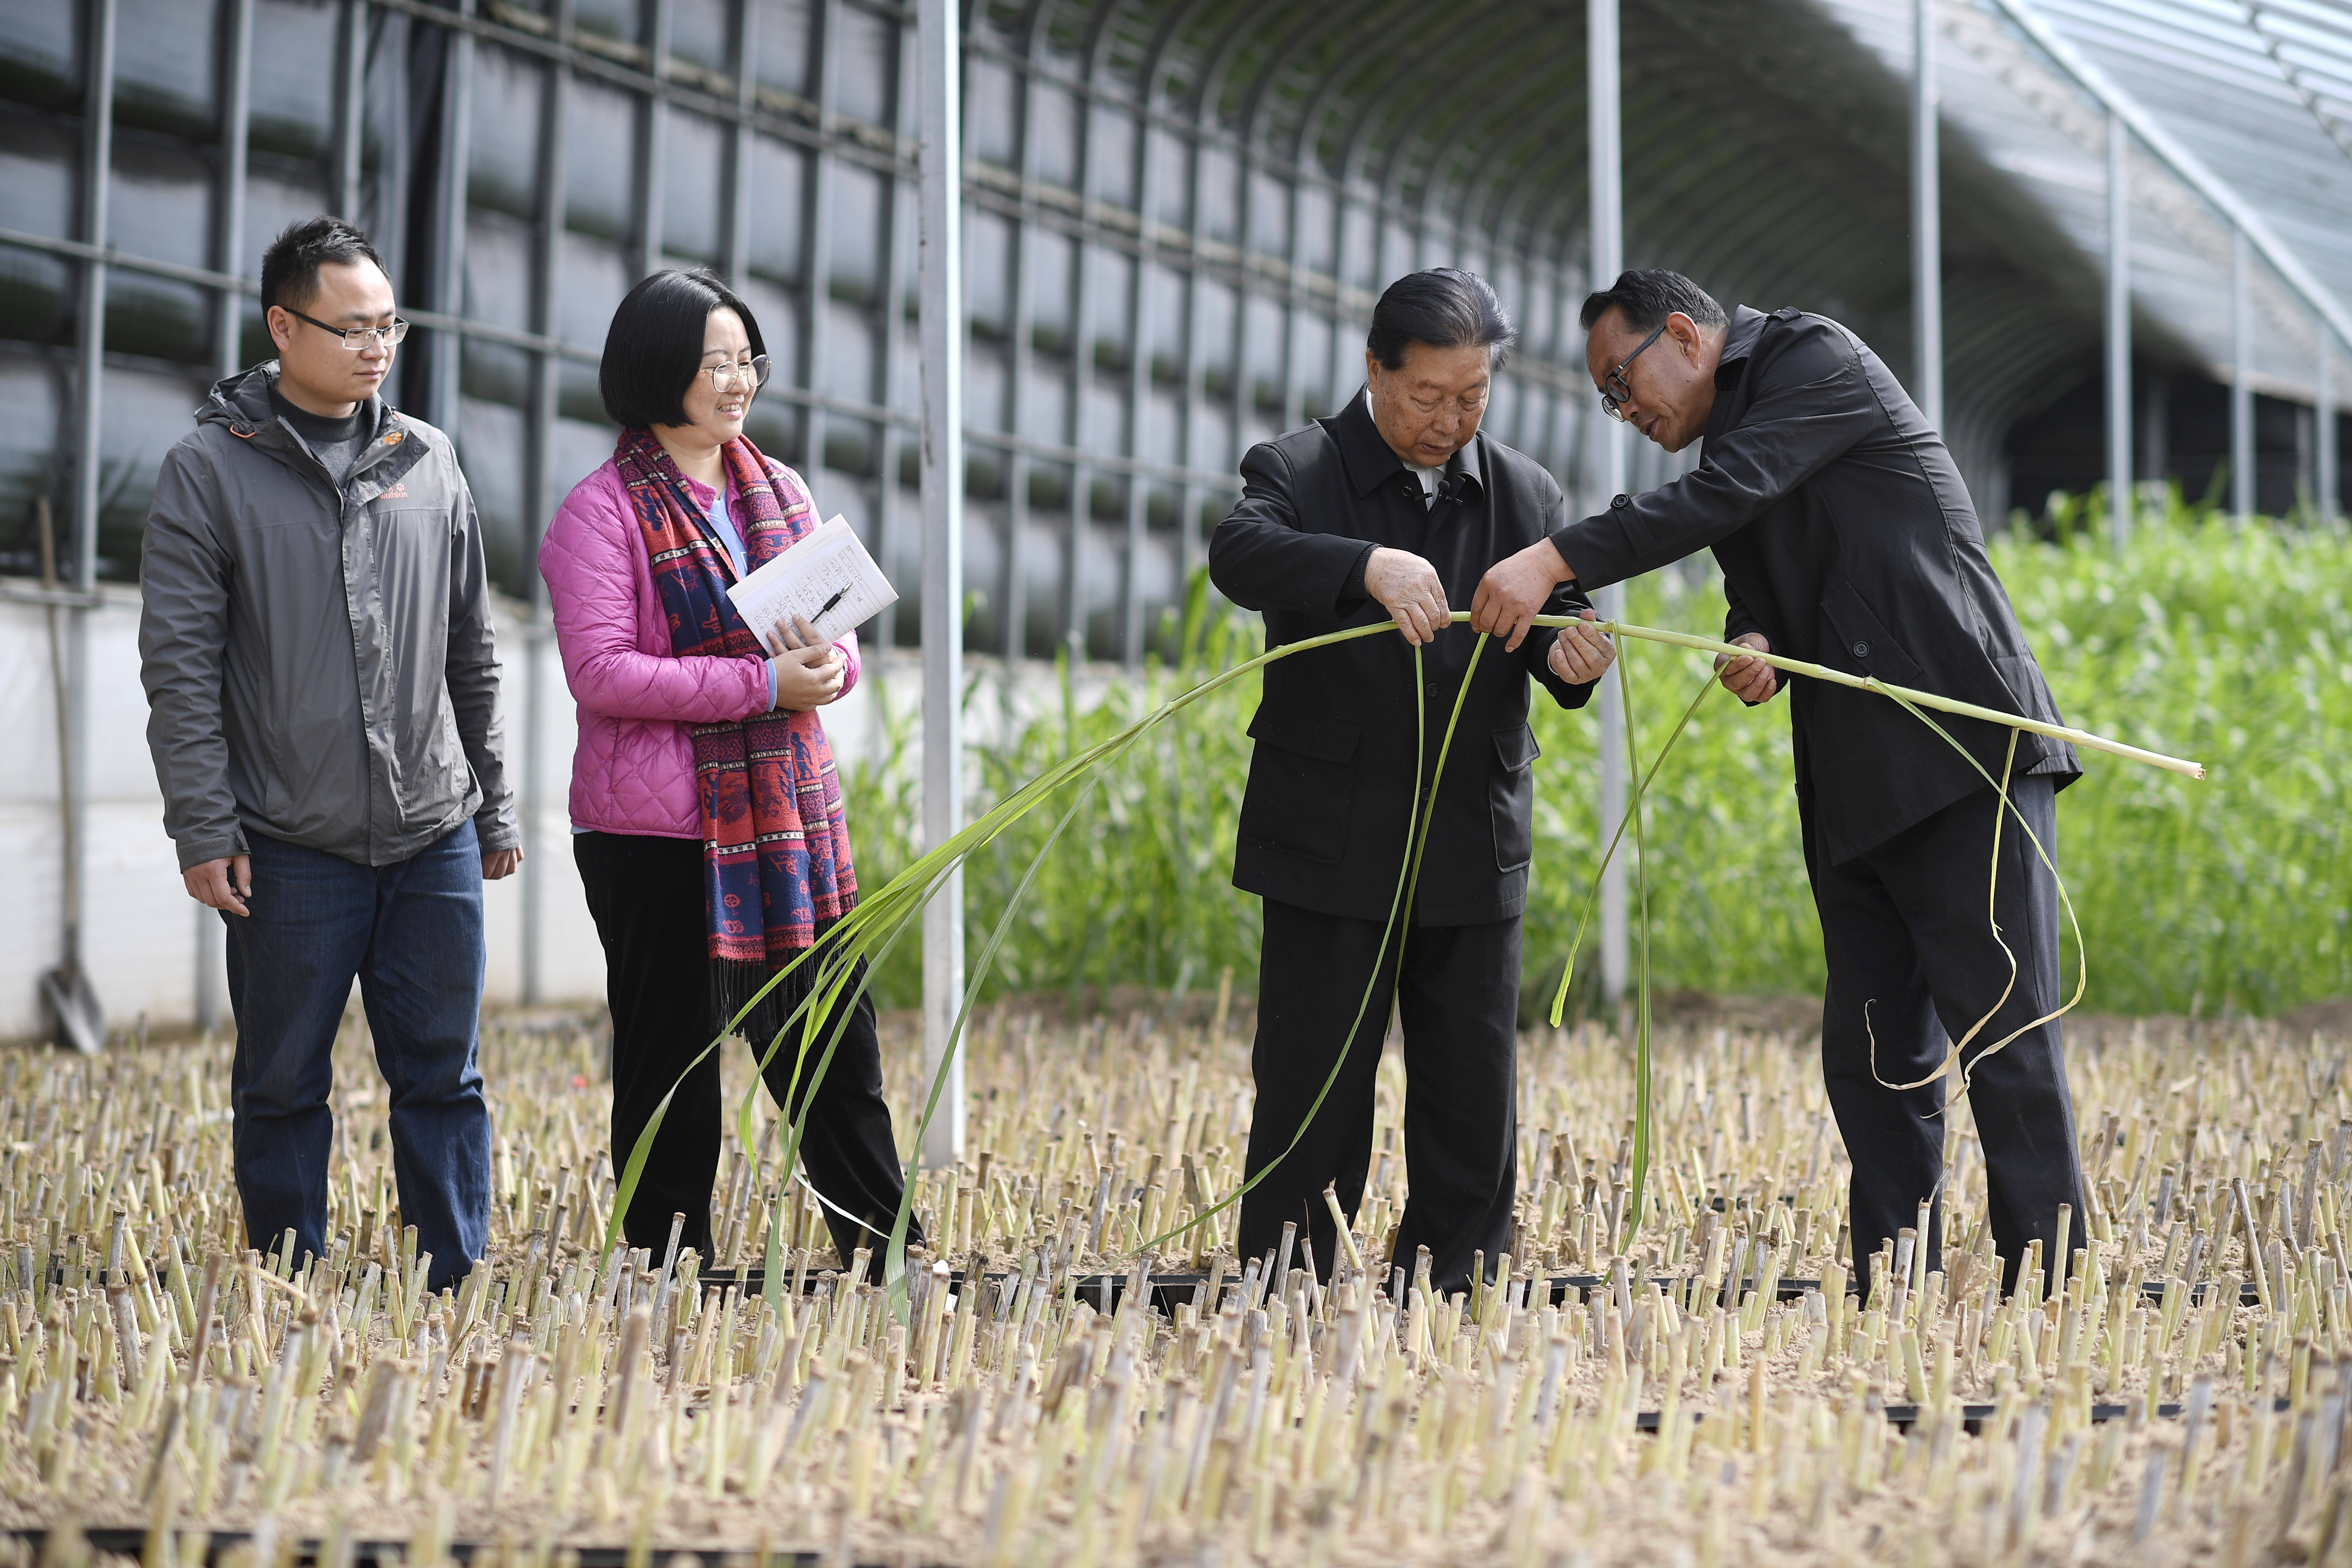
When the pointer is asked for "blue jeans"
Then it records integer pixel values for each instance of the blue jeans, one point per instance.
(412, 934)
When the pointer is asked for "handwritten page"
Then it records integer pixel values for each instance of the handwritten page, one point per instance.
(827, 577)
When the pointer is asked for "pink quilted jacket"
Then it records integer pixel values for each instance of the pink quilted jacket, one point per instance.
(633, 769)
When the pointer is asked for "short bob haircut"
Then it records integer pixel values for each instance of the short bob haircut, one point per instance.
(652, 350)
(1444, 308)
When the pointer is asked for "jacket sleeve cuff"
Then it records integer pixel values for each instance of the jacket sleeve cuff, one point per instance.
(1351, 588)
(194, 852)
(1596, 550)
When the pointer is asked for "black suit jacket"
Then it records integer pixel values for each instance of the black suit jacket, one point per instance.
(1331, 778)
(1846, 537)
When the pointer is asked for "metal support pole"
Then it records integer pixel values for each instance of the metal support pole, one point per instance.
(1608, 464)
(351, 131)
(230, 319)
(2119, 330)
(228, 359)
(449, 242)
(1926, 222)
(2326, 470)
(942, 330)
(657, 147)
(2241, 378)
(538, 502)
(96, 176)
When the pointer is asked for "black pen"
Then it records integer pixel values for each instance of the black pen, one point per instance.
(829, 603)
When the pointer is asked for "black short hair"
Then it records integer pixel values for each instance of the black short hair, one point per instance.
(289, 267)
(653, 350)
(1441, 308)
(1648, 297)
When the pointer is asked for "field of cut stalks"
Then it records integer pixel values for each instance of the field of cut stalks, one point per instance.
(1702, 1390)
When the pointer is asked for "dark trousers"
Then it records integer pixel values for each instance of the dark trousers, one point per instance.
(411, 933)
(646, 894)
(1912, 964)
(1457, 996)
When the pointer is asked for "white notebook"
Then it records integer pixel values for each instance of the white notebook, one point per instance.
(827, 577)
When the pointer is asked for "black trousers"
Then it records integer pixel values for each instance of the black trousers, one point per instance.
(1912, 964)
(1457, 996)
(646, 894)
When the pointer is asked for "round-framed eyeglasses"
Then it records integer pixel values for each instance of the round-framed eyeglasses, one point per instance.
(356, 338)
(1613, 388)
(739, 374)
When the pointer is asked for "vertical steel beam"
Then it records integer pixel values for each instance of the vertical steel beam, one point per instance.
(1927, 222)
(2119, 330)
(1080, 432)
(816, 270)
(97, 106)
(2242, 377)
(888, 437)
(235, 109)
(449, 242)
(2328, 471)
(539, 496)
(1139, 386)
(738, 249)
(1021, 351)
(350, 126)
(229, 358)
(656, 146)
(98, 158)
(1608, 242)
(941, 160)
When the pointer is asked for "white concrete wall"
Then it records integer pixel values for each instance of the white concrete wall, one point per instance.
(141, 943)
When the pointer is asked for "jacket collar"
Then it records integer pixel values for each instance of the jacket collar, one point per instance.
(1370, 460)
(1738, 342)
(1738, 345)
(241, 402)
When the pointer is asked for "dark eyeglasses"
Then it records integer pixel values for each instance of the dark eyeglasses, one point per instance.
(1614, 387)
(355, 337)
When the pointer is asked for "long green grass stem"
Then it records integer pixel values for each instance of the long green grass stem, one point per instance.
(1593, 894)
(872, 928)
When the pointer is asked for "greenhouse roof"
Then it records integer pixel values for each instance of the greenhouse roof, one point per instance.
(2255, 95)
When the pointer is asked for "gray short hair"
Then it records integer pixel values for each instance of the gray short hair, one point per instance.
(1443, 307)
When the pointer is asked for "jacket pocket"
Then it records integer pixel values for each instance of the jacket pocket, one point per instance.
(1860, 641)
(1302, 786)
(1511, 796)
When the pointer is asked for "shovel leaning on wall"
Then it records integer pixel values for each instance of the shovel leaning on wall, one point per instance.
(82, 1022)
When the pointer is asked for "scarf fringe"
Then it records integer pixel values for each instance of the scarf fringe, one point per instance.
(734, 983)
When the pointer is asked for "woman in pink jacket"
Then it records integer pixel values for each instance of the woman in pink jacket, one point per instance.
(706, 812)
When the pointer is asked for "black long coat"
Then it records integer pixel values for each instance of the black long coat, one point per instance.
(1846, 537)
(1331, 778)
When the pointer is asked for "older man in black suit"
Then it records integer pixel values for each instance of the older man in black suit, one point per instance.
(1846, 539)
(1393, 508)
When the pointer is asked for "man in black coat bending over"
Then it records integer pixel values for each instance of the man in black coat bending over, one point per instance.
(1847, 539)
(1391, 509)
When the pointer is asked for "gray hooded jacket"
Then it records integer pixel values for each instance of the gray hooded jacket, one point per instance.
(319, 665)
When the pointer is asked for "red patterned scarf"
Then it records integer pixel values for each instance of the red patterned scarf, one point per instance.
(775, 838)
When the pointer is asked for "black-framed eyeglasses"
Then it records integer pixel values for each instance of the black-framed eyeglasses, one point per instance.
(355, 337)
(728, 377)
(1614, 387)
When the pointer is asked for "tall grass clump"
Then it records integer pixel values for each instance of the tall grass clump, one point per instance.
(2203, 637)
(2230, 642)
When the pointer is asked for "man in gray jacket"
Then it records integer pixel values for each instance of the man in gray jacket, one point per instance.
(322, 695)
